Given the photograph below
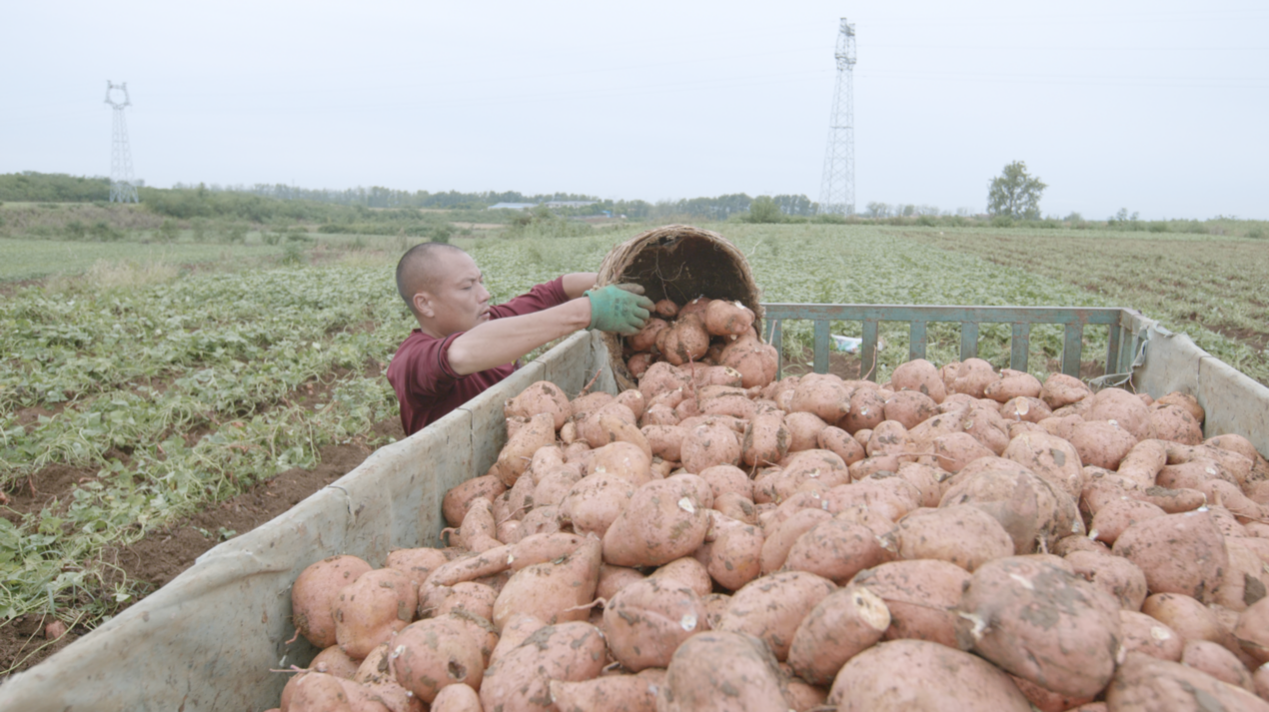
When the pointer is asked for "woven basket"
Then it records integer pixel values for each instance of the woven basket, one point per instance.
(678, 262)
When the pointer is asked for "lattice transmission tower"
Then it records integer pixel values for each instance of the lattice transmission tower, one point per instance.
(122, 189)
(837, 191)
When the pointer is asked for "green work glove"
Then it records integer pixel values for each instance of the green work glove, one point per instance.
(619, 307)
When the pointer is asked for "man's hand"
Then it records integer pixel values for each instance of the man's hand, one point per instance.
(619, 307)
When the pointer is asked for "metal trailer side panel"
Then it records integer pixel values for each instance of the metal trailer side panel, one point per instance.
(1233, 402)
(207, 640)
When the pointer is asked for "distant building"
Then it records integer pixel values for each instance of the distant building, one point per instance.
(549, 204)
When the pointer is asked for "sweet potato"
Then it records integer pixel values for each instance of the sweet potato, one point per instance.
(771, 607)
(553, 591)
(1215, 660)
(1025, 505)
(540, 397)
(1122, 407)
(960, 534)
(433, 653)
(519, 680)
(867, 410)
(334, 661)
(1061, 390)
(615, 693)
(921, 376)
(1114, 575)
(935, 678)
(456, 698)
(722, 672)
(847, 622)
(516, 455)
(315, 591)
(1175, 424)
(973, 376)
(1013, 384)
(458, 499)
(1252, 631)
(648, 620)
(1050, 457)
(1039, 622)
(781, 538)
(1117, 515)
(919, 595)
(824, 395)
(724, 318)
(766, 440)
(1245, 581)
(1189, 618)
(708, 444)
(664, 521)
(1025, 410)
(910, 408)
(1144, 683)
(836, 550)
(1102, 443)
(685, 571)
(735, 555)
(953, 451)
(1141, 633)
(372, 608)
(755, 361)
(1179, 553)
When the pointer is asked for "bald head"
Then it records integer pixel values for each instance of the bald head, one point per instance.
(420, 266)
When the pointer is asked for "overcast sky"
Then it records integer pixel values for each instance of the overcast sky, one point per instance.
(1160, 107)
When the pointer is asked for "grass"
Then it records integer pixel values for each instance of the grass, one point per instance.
(1210, 288)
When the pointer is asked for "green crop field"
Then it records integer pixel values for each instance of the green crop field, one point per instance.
(164, 390)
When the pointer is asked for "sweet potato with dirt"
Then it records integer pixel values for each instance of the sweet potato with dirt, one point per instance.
(724, 318)
(708, 444)
(685, 571)
(844, 624)
(1114, 575)
(735, 554)
(921, 376)
(766, 440)
(755, 361)
(1146, 684)
(1025, 410)
(836, 550)
(1041, 623)
(1175, 424)
(973, 376)
(935, 678)
(781, 538)
(646, 337)
(1013, 384)
(1061, 390)
(722, 671)
(371, 609)
(955, 450)
(1189, 618)
(685, 341)
(433, 653)
(516, 455)
(910, 408)
(824, 395)
(772, 607)
(1215, 660)
(1102, 443)
(1026, 506)
(540, 397)
(519, 680)
(1122, 407)
(960, 534)
(663, 521)
(1050, 457)
(1179, 553)
(613, 693)
(1252, 631)
(315, 591)
(553, 591)
(920, 596)
(648, 620)
(867, 410)
(458, 499)
(1141, 633)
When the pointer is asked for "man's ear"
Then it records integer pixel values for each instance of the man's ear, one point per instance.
(423, 304)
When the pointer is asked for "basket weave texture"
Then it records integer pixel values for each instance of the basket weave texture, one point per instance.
(681, 263)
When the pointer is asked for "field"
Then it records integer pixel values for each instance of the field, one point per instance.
(151, 401)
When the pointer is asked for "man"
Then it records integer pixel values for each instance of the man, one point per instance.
(463, 345)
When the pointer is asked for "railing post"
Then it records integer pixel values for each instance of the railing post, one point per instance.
(1020, 346)
(868, 351)
(969, 340)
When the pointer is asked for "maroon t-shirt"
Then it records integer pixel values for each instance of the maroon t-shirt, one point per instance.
(427, 388)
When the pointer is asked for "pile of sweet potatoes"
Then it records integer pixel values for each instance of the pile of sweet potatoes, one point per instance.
(955, 539)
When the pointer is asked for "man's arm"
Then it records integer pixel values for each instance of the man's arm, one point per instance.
(576, 283)
(501, 341)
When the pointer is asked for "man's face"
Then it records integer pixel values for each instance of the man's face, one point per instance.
(458, 298)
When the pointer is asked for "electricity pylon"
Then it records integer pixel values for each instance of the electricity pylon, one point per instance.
(837, 192)
(122, 190)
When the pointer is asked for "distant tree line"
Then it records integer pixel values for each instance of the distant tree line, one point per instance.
(32, 187)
